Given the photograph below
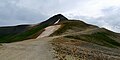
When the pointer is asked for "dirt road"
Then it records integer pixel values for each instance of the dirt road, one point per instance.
(34, 49)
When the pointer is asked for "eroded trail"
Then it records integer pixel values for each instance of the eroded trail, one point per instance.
(34, 49)
(49, 30)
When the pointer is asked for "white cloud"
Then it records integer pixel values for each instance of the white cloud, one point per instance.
(109, 20)
(99, 12)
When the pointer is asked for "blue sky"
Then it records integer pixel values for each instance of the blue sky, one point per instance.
(103, 13)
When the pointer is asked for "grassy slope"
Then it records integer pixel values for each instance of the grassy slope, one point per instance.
(7, 32)
(101, 36)
(31, 33)
(74, 26)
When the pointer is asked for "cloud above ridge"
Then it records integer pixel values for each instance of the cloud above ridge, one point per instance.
(104, 13)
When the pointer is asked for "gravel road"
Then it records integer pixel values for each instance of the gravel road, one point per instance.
(34, 49)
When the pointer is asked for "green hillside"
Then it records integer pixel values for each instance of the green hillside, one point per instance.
(72, 26)
(81, 31)
(21, 36)
(100, 38)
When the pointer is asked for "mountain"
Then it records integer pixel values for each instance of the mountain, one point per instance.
(70, 39)
(23, 32)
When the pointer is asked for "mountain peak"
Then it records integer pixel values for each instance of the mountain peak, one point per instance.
(59, 16)
(55, 19)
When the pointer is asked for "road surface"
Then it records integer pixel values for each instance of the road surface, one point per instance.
(34, 49)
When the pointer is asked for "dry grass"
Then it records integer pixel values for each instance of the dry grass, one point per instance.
(68, 49)
(72, 26)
